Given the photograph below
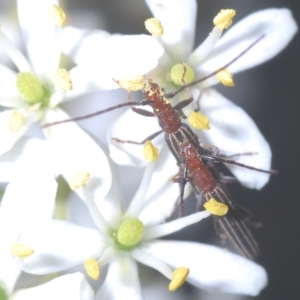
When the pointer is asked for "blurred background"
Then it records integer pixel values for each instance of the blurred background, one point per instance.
(270, 95)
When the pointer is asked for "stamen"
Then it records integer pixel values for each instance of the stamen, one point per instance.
(199, 121)
(92, 268)
(225, 77)
(130, 232)
(35, 107)
(160, 230)
(178, 279)
(20, 250)
(138, 200)
(224, 18)
(79, 180)
(57, 15)
(132, 83)
(61, 79)
(154, 26)
(30, 87)
(182, 74)
(150, 152)
(108, 255)
(215, 207)
(148, 259)
(17, 120)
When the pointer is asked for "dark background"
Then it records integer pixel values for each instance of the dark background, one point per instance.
(270, 95)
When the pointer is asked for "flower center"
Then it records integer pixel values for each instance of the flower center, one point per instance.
(182, 74)
(32, 89)
(130, 233)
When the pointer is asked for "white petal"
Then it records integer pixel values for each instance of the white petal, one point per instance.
(111, 206)
(74, 151)
(8, 138)
(61, 245)
(127, 55)
(15, 55)
(9, 95)
(10, 270)
(82, 83)
(178, 19)
(277, 25)
(82, 45)
(122, 281)
(163, 193)
(233, 131)
(28, 201)
(72, 286)
(25, 149)
(104, 56)
(212, 268)
(40, 34)
(134, 127)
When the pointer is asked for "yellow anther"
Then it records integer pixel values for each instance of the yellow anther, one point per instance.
(20, 250)
(132, 83)
(57, 15)
(79, 180)
(150, 152)
(17, 120)
(154, 27)
(61, 78)
(216, 208)
(225, 78)
(199, 121)
(178, 278)
(92, 268)
(224, 18)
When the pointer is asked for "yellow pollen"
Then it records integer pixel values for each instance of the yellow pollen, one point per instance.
(17, 120)
(225, 78)
(92, 268)
(154, 27)
(20, 250)
(199, 121)
(132, 83)
(178, 278)
(224, 18)
(79, 180)
(57, 15)
(215, 207)
(150, 152)
(61, 79)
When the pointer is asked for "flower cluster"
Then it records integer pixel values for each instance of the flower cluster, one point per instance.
(31, 239)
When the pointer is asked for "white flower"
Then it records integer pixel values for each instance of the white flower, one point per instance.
(124, 238)
(232, 130)
(71, 286)
(35, 95)
(28, 203)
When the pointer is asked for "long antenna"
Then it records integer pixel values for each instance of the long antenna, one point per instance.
(171, 95)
